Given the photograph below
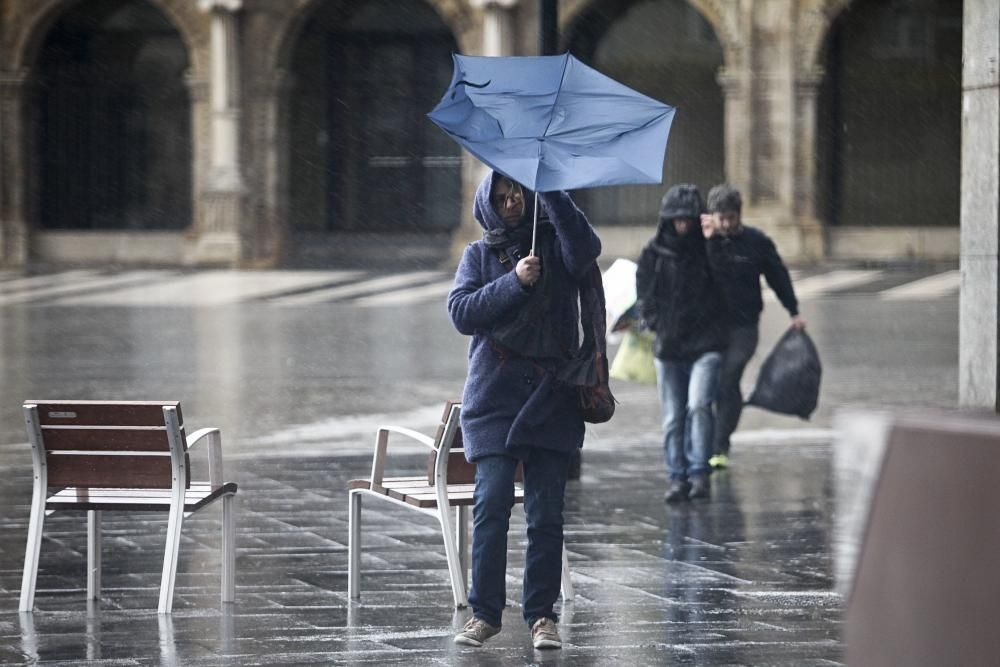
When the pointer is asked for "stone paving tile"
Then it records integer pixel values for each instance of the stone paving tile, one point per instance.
(744, 579)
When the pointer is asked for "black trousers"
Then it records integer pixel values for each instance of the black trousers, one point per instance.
(742, 344)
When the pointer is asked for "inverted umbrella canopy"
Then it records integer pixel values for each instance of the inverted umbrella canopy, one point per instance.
(553, 123)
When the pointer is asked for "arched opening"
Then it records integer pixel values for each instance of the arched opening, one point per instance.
(889, 115)
(667, 50)
(364, 157)
(114, 130)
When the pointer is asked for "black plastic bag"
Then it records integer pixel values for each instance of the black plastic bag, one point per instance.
(788, 382)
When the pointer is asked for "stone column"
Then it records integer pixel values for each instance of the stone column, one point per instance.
(979, 310)
(770, 126)
(272, 139)
(221, 232)
(498, 40)
(812, 241)
(735, 82)
(498, 26)
(15, 168)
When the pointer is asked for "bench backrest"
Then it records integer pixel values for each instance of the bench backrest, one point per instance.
(112, 444)
(460, 471)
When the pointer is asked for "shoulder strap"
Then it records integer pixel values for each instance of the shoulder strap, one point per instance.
(505, 259)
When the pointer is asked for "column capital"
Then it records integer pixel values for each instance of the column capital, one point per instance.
(732, 83)
(499, 4)
(220, 5)
(198, 87)
(810, 79)
(12, 83)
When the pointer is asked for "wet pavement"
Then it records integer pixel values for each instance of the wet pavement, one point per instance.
(743, 579)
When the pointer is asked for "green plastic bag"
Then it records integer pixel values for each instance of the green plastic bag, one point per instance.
(634, 360)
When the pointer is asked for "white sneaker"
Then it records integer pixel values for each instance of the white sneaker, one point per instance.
(544, 634)
(475, 632)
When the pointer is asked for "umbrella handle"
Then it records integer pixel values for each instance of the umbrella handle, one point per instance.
(534, 228)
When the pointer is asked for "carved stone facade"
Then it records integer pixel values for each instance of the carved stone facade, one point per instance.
(241, 80)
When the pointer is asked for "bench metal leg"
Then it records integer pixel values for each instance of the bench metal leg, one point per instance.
(33, 548)
(567, 582)
(93, 554)
(451, 551)
(170, 554)
(462, 515)
(228, 548)
(354, 546)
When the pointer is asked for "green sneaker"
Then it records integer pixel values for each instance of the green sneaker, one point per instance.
(719, 461)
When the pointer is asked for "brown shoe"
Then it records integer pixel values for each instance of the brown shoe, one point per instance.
(475, 632)
(545, 635)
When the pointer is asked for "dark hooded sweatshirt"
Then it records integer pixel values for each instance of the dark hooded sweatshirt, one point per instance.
(678, 297)
(512, 404)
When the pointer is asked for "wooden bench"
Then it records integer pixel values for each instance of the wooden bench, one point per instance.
(122, 456)
(449, 483)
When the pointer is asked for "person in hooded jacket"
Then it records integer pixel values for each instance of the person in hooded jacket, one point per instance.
(683, 305)
(513, 409)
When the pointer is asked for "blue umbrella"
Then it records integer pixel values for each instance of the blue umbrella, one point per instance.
(553, 123)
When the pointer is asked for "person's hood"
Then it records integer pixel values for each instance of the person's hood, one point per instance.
(482, 208)
(681, 201)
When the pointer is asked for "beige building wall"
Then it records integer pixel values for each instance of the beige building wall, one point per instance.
(240, 78)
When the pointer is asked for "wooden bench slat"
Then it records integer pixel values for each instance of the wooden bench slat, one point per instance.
(104, 413)
(67, 499)
(131, 439)
(111, 492)
(108, 470)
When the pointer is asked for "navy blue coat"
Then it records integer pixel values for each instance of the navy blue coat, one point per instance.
(512, 404)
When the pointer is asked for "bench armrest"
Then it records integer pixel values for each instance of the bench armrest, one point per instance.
(382, 443)
(214, 438)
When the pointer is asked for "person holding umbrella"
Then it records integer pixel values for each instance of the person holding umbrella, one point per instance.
(683, 305)
(513, 408)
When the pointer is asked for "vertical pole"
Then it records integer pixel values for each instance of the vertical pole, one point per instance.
(94, 555)
(548, 27)
(979, 296)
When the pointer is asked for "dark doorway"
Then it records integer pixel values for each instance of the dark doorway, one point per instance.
(667, 50)
(115, 120)
(364, 156)
(889, 125)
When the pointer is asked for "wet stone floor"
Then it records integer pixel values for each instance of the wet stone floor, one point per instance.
(742, 579)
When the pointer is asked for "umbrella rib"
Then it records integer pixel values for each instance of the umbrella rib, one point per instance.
(555, 104)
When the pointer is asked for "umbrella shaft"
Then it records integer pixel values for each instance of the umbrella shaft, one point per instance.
(534, 228)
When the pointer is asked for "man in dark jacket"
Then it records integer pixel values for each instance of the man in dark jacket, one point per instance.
(739, 255)
(681, 302)
(513, 410)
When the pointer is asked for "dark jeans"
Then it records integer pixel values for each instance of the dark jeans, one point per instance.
(742, 344)
(545, 475)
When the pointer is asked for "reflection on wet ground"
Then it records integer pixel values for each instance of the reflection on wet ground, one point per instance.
(744, 579)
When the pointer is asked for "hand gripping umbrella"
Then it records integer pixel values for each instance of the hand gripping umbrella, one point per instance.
(553, 123)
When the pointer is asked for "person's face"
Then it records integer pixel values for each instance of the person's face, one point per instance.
(508, 202)
(728, 222)
(683, 225)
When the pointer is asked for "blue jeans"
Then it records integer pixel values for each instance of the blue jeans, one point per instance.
(687, 389)
(545, 475)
